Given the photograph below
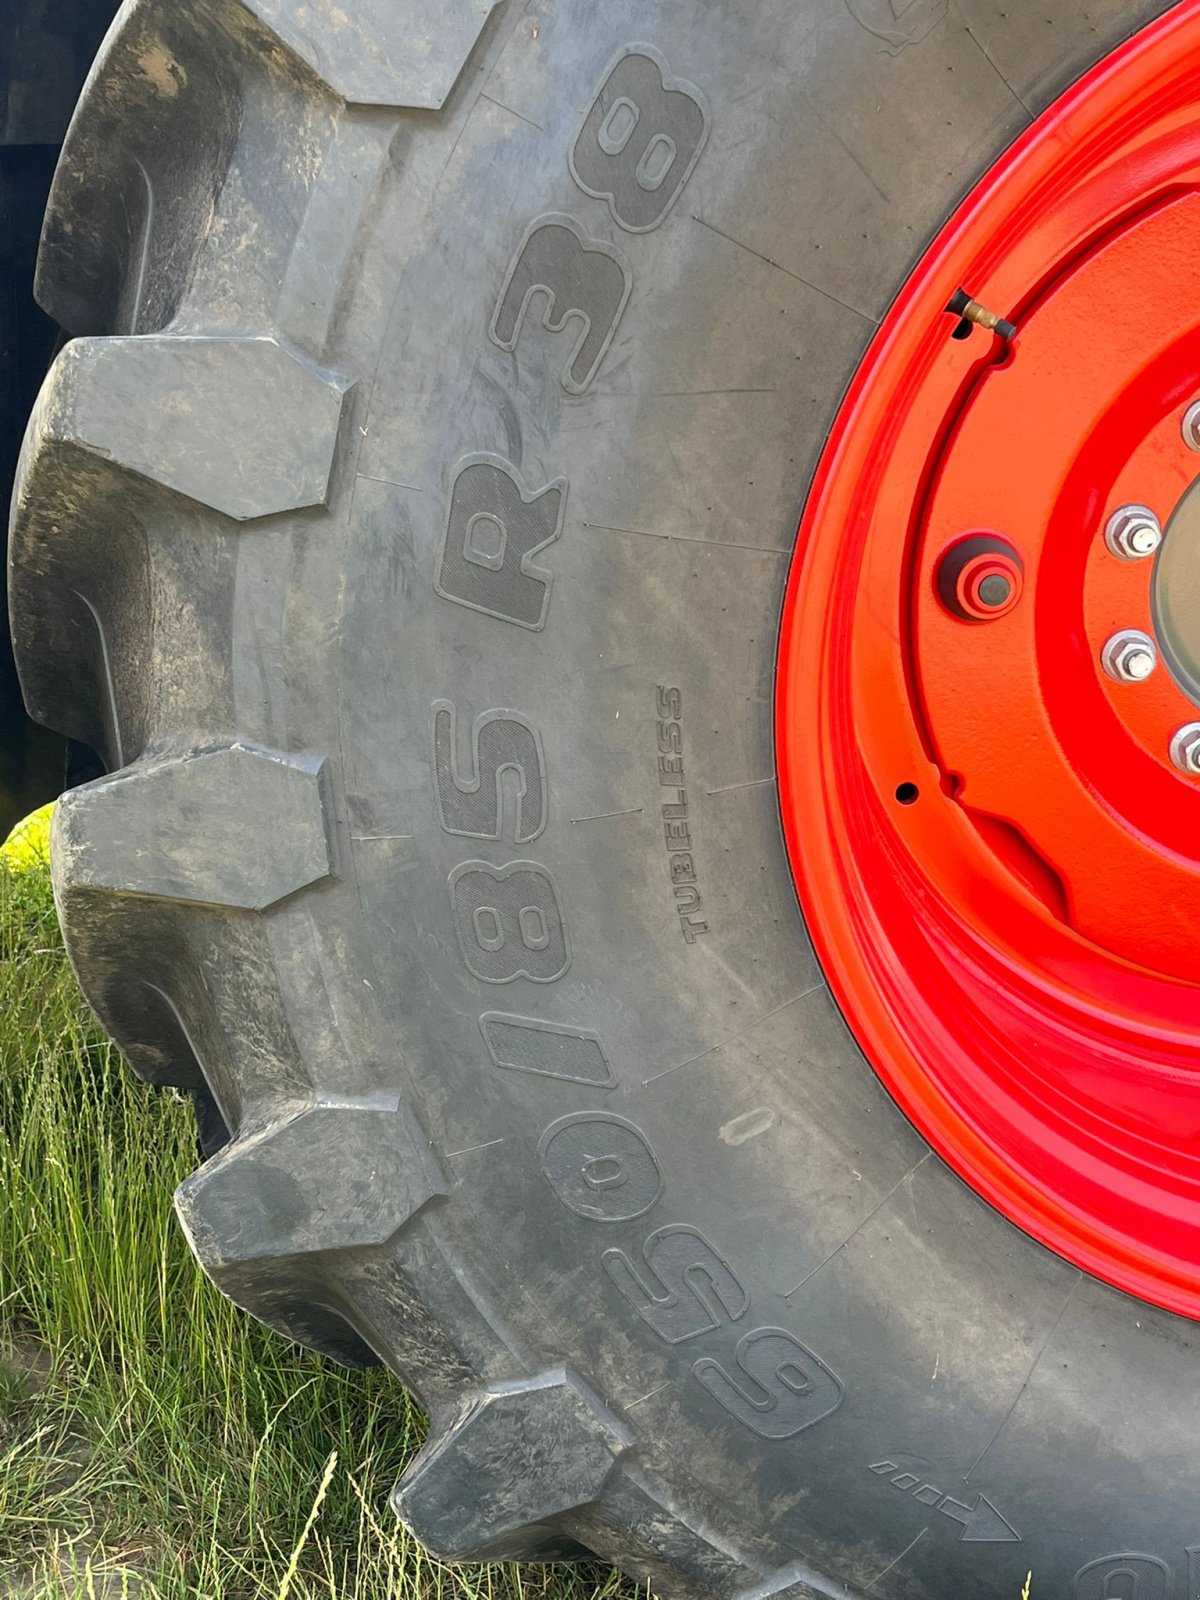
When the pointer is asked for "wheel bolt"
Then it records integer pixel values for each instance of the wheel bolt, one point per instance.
(1133, 532)
(1185, 747)
(1191, 426)
(1129, 656)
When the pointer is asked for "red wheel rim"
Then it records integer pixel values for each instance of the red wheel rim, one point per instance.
(988, 796)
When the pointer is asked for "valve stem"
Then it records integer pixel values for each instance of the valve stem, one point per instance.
(961, 305)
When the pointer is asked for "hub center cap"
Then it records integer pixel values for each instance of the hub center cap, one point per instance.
(1175, 595)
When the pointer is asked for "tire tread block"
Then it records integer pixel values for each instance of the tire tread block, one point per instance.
(191, 829)
(380, 52)
(798, 1582)
(240, 425)
(517, 1457)
(333, 1177)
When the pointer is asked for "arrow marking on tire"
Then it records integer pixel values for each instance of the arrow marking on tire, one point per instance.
(980, 1521)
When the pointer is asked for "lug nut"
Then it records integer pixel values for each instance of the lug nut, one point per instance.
(1185, 747)
(1191, 426)
(1129, 656)
(1133, 533)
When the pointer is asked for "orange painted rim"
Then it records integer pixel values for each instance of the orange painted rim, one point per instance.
(996, 852)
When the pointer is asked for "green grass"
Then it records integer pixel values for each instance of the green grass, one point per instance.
(153, 1440)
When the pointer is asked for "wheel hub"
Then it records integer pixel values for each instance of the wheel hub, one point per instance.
(989, 675)
(1175, 595)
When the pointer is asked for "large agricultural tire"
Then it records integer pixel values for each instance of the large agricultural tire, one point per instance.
(380, 602)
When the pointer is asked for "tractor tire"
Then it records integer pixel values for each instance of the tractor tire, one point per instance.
(381, 602)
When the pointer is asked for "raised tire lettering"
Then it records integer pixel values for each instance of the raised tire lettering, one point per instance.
(640, 140)
(687, 1288)
(601, 1167)
(581, 279)
(494, 528)
(1130, 1576)
(783, 1386)
(508, 922)
(503, 746)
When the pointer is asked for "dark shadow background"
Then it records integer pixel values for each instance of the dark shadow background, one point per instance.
(46, 48)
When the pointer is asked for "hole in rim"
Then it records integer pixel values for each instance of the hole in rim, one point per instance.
(907, 793)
